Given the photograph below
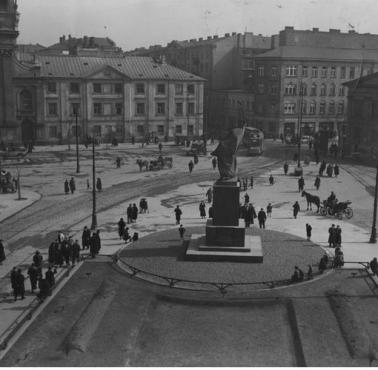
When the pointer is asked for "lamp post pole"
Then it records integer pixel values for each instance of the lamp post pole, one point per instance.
(77, 146)
(300, 123)
(94, 216)
(373, 236)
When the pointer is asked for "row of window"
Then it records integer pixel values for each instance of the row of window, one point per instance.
(117, 88)
(108, 109)
(291, 89)
(311, 108)
(313, 71)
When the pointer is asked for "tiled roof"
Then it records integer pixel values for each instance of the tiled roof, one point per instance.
(299, 52)
(135, 68)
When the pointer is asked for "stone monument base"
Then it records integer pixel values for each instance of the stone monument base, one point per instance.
(251, 252)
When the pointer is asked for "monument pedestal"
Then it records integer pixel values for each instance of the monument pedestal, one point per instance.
(226, 238)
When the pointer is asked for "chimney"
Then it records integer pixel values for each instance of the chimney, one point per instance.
(215, 37)
(289, 28)
(315, 30)
(233, 33)
(209, 37)
(333, 30)
(226, 35)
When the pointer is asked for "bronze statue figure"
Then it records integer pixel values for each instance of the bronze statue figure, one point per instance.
(226, 153)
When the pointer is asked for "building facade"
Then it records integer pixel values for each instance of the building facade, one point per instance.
(9, 130)
(299, 85)
(113, 97)
(362, 115)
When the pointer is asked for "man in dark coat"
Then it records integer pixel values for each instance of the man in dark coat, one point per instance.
(336, 170)
(44, 289)
(72, 185)
(178, 214)
(202, 209)
(308, 231)
(52, 252)
(92, 245)
(246, 198)
(190, 166)
(121, 227)
(65, 252)
(329, 170)
(250, 214)
(49, 275)
(286, 168)
(129, 213)
(338, 236)
(262, 218)
(20, 285)
(97, 241)
(135, 212)
(33, 276)
(296, 209)
(331, 236)
(37, 259)
(98, 184)
(66, 187)
(2, 252)
(85, 236)
(317, 182)
(181, 231)
(301, 184)
(75, 252)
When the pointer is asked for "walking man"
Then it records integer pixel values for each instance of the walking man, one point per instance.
(72, 185)
(182, 231)
(301, 184)
(308, 231)
(121, 227)
(85, 236)
(209, 195)
(286, 168)
(296, 209)
(317, 182)
(66, 187)
(178, 214)
(33, 276)
(190, 165)
(261, 216)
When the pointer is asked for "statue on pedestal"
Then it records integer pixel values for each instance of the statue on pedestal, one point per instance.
(226, 153)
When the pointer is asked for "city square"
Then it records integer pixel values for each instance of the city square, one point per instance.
(151, 216)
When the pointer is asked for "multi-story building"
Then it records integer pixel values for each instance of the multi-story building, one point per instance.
(114, 97)
(302, 80)
(8, 35)
(362, 116)
(227, 63)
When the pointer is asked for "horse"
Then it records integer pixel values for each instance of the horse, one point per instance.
(142, 163)
(311, 199)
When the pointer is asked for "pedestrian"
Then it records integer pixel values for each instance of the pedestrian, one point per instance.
(44, 289)
(118, 162)
(20, 285)
(160, 147)
(246, 198)
(129, 213)
(323, 263)
(249, 215)
(261, 216)
(2, 252)
(121, 227)
(98, 184)
(72, 185)
(181, 231)
(75, 252)
(331, 236)
(85, 236)
(322, 167)
(37, 259)
(329, 170)
(269, 210)
(97, 241)
(271, 180)
(135, 237)
(33, 276)
(374, 266)
(88, 184)
(308, 231)
(49, 276)
(309, 272)
(317, 182)
(296, 209)
(134, 212)
(209, 195)
(13, 275)
(66, 187)
(336, 170)
(202, 209)
(190, 165)
(92, 245)
(298, 275)
(178, 214)
(214, 163)
(338, 235)
(52, 252)
(143, 207)
(251, 182)
(286, 168)
(301, 184)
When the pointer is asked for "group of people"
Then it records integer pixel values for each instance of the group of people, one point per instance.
(91, 242)
(330, 169)
(70, 186)
(64, 250)
(123, 232)
(334, 236)
(132, 213)
(243, 182)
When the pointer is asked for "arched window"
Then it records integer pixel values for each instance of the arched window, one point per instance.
(323, 90)
(332, 90)
(303, 89)
(313, 89)
(313, 107)
(26, 101)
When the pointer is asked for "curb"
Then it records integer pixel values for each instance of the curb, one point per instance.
(20, 210)
(28, 313)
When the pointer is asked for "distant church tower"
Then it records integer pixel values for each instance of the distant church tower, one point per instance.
(9, 130)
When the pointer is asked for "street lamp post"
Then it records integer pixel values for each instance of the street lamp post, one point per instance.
(300, 123)
(373, 236)
(77, 146)
(94, 216)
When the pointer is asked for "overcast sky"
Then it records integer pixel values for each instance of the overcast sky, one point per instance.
(136, 23)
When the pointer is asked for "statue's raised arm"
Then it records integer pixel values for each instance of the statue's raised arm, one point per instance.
(226, 153)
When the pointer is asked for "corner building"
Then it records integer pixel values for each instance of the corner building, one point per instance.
(113, 98)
